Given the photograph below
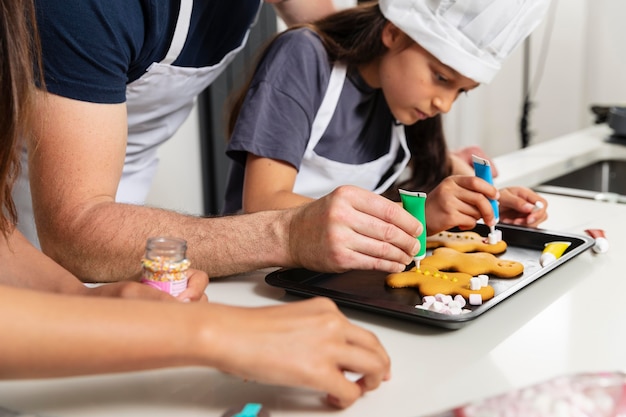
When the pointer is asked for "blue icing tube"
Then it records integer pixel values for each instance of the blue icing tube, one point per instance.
(482, 168)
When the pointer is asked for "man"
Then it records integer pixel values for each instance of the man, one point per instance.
(121, 78)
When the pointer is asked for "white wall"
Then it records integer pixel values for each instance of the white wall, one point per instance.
(586, 64)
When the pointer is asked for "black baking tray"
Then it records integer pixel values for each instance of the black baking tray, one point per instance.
(366, 290)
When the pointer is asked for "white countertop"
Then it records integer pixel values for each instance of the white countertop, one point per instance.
(569, 321)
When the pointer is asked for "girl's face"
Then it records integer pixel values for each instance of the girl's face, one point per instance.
(416, 85)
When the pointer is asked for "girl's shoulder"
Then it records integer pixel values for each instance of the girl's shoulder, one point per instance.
(300, 42)
(297, 51)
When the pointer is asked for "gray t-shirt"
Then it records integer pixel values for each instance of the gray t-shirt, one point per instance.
(282, 102)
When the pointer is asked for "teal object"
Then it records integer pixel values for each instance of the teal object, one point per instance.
(249, 410)
(415, 203)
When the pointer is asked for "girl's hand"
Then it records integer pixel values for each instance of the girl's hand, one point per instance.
(459, 201)
(305, 344)
(522, 206)
(196, 286)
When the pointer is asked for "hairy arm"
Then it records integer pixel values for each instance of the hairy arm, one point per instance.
(75, 166)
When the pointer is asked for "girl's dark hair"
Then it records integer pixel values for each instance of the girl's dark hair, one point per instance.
(19, 68)
(354, 36)
(429, 163)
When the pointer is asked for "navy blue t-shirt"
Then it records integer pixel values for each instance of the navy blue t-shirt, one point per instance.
(93, 48)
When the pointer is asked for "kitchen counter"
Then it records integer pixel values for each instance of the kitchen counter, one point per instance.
(569, 321)
(533, 165)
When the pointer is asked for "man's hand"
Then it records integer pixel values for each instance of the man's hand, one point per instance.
(353, 229)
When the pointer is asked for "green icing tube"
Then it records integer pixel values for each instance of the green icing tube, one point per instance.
(415, 203)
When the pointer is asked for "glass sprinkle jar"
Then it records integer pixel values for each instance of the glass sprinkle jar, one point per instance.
(165, 264)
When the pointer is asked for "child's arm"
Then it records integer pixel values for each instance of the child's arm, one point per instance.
(307, 344)
(25, 266)
(268, 185)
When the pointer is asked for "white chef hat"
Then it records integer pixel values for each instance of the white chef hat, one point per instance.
(471, 36)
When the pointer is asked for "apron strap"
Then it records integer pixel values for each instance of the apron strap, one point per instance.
(398, 134)
(329, 104)
(181, 31)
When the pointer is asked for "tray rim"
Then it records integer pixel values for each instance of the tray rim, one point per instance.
(277, 279)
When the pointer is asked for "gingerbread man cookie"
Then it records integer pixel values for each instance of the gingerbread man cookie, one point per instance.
(464, 242)
(446, 259)
(430, 281)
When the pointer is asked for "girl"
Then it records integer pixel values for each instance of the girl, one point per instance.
(52, 326)
(352, 98)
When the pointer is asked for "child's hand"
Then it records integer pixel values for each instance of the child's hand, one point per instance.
(196, 285)
(304, 344)
(522, 206)
(198, 281)
(459, 201)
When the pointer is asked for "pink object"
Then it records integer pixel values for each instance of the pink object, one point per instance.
(580, 395)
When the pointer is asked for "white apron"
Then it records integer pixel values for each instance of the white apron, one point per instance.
(157, 104)
(318, 175)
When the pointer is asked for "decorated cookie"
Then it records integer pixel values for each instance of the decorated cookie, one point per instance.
(464, 242)
(446, 259)
(430, 282)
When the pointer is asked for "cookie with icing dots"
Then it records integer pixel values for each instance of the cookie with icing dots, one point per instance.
(464, 242)
(431, 281)
(446, 259)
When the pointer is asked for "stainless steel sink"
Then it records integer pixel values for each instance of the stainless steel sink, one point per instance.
(603, 180)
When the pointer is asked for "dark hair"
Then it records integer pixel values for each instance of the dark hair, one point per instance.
(429, 163)
(19, 67)
(354, 36)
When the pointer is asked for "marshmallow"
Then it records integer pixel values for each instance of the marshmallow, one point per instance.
(475, 299)
(475, 284)
(444, 304)
(484, 280)
(494, 237)
(460, 300)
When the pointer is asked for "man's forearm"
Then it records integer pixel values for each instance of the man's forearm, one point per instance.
(107, 243)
